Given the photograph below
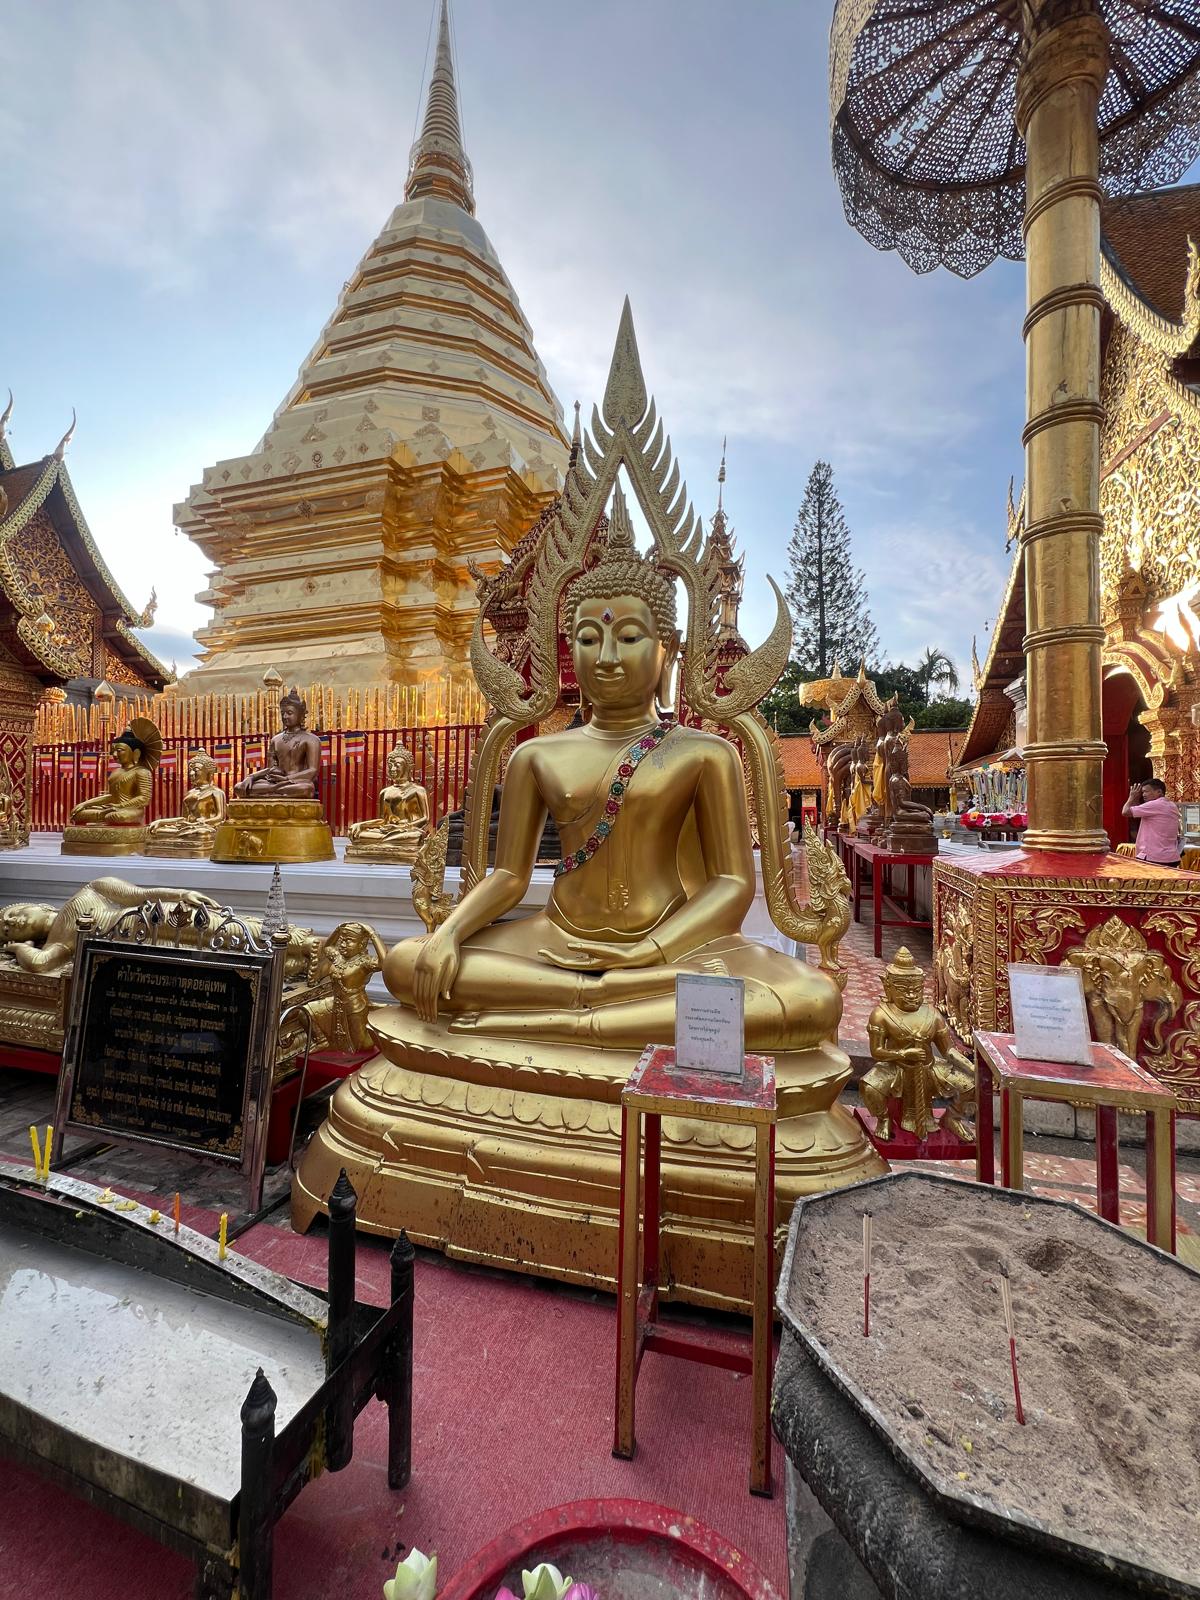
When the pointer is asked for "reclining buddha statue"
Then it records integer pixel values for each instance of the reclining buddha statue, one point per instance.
(489, 1123)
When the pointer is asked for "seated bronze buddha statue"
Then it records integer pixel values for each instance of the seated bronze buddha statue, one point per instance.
(489, 1123)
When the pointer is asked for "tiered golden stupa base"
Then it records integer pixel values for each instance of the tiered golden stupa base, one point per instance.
(104, 839)
(186, 847)
(512, 1157)
(280, 831)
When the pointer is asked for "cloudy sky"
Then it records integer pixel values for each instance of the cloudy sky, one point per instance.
(190, 182)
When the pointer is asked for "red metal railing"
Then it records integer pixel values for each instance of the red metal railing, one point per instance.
(353, 771)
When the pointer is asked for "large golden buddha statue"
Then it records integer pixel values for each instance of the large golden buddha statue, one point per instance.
(113, 823)
(489, 1124)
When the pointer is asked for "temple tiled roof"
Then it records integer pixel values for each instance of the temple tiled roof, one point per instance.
(1149, 235)
(930, 752)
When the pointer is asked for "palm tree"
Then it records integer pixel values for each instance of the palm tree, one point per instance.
(936, 667)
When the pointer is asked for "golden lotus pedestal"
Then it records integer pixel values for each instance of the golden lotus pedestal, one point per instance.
(282, 831)
(104, 839)
(512, 1157)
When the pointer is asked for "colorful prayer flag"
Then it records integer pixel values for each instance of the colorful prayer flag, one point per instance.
(355, 745)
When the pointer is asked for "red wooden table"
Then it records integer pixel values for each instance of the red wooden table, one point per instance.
(1111, 1084)
(881, 863)
(656, 1088)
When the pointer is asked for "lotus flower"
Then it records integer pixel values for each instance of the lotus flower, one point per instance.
(581, 1591)
(416, 1578)
(545, 1582)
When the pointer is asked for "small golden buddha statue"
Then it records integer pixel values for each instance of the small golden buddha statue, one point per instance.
(490, 1123)
(203, 808)
(916, 1060)
(112, 823)
(397, 833)
(276, 815)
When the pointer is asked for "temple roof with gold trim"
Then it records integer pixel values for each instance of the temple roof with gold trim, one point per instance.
(62, 613)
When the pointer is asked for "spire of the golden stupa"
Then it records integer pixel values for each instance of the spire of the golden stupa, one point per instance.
(438, 163)
(421, 435)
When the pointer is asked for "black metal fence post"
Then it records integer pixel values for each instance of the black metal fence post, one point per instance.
(343, 1204)
(255, 1527)
(398, 1363)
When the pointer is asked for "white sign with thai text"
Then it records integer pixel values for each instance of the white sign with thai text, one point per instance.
(1050, 1019)
(710, 1033)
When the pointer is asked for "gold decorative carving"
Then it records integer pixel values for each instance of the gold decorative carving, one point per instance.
(1121, 977)
(281, 831)
(952, 963)
(1040, 929)
(430, 902)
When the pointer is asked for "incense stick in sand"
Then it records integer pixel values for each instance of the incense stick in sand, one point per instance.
(866, 1274)
(1006, 1296)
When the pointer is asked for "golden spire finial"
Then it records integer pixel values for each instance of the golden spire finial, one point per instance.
(576, 439)
(60, 449)
(437, 164)
(721, 477)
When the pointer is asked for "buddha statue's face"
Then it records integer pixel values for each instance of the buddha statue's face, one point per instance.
(617, 652)
(24, 921)
(125, 753)
(199, 773)
(399, 766)
(289, 714)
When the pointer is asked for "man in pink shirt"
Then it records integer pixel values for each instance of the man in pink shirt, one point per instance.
(1158, 822)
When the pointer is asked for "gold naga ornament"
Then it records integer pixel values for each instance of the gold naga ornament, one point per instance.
(1121, 977)
(489, 1124)
(113, 823)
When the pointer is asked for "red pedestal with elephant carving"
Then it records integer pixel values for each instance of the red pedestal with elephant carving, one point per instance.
(1132, 928)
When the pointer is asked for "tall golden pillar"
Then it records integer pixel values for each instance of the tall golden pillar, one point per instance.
(1058, 95)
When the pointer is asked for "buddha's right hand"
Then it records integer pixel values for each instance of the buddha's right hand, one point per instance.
(434, 973)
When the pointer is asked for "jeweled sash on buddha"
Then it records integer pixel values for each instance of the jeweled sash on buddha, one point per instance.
(617, 790)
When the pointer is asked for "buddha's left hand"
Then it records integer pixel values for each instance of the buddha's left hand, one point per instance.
(591, 957)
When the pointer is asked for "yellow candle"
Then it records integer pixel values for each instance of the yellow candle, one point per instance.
(46, 1164)
(224, 1233)
(37, 1150)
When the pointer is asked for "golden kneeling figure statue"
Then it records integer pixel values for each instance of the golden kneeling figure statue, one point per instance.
(112, 823)
(399, 830)
(489, 1125)
(916, 1060)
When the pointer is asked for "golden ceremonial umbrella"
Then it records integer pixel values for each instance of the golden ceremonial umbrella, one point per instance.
(967, 129)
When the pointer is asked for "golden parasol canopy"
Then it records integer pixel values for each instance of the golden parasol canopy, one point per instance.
(922, 96)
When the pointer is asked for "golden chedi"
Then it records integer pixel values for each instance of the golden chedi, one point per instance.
(276, 815)
(113, 823)
(489, 1123)
(916, 1060)
(203, 807)
(399, 830)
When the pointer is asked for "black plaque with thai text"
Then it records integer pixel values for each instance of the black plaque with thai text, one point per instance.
(164, 1048)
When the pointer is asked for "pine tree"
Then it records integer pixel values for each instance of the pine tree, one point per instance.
(826, 591)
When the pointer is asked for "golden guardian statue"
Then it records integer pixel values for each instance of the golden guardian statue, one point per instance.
(489, 1122)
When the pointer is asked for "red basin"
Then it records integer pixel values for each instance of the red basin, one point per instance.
(626, 1550)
